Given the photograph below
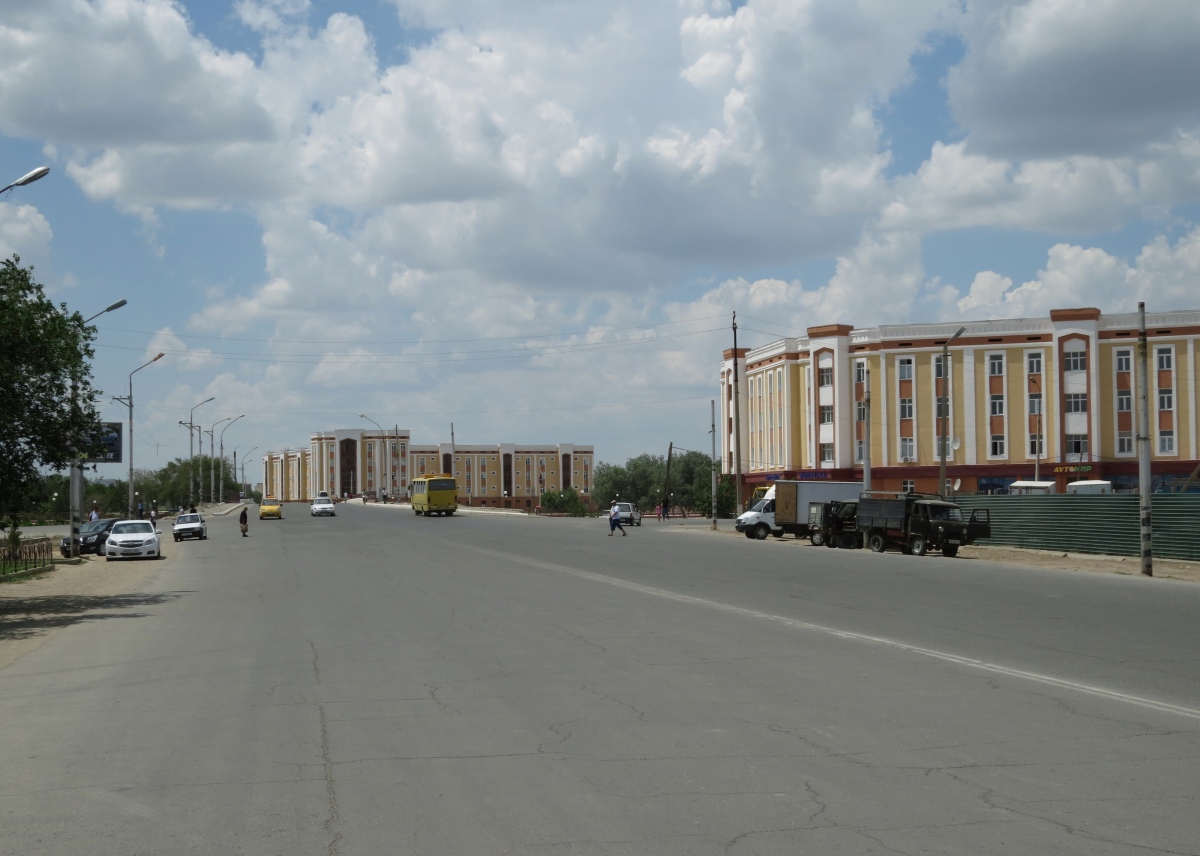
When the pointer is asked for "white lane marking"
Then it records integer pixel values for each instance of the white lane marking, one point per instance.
(970, 662)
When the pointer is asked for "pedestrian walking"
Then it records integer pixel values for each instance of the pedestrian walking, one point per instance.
(95, 515)
(153, 516)
(614, 520)
(658, 512)
(141, 510)
(666, 510)
(244, 521)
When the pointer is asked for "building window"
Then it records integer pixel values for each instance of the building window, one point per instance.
(997, 405)
(1077, 444)
(1166, 399)
(826, 414)
(997, 446)
(1124, 400)
(906, 449)
(1124, 361)
(827, 453)
(937, 447)
(859, 450)
(937, 366)
(1075, 361)
(1035, 363)
(825, 377)
(860, 411)
(905, 366)
(996, 365)
(908, 486)
(1037, 446)
(1076, 402)
(1125, 443)
(906, 408)
(1166, 442)
(1035, 403)
(1164, 359)
(860, 372)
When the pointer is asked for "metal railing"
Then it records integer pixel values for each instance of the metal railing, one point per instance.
(29, 553)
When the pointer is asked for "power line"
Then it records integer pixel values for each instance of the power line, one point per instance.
(421, 341)
(415, 359)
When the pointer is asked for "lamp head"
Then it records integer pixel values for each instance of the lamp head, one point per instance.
(32, 176)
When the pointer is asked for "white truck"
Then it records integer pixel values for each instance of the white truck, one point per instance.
(784, 510)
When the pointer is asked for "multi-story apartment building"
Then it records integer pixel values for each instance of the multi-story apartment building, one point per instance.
(1052, 396)
(350, 462)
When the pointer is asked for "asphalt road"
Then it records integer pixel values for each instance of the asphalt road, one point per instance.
(381, 683)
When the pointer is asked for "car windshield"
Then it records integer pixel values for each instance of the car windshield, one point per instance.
(945, 512)
(270, 501)
(323, 500)
(91, 526)
(189, 518)
(760, 505)
(133, 527)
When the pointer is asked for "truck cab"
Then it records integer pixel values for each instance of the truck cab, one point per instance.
(917, 523)
(759, 521)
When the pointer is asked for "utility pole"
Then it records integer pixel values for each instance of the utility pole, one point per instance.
(667, 489)
(944, 411)
(737, 423)
(714, 463)
(867, 431)
(129, 402)
(1144, 482)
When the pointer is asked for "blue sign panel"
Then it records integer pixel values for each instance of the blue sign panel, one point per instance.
(112, 440)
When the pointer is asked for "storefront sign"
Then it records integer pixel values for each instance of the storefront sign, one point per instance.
(1074, 469)
(811, 476)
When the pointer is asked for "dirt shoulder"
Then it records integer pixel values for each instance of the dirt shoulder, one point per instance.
(1174, 569)
(33, 609)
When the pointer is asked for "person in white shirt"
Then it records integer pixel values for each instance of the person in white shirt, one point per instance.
(614, 520)
(95, 515)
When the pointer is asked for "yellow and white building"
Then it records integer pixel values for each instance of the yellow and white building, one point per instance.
(351, 462)
(1055, 396)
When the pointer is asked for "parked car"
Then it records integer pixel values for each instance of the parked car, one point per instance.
(190, 526)
(92, 535)
(630, 516)
(323, 505)
(270, 507)
(132, 539)
(917, 523)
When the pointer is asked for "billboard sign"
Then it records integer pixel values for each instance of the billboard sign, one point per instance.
(112, 436)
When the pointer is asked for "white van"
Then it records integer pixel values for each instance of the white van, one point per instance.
(760, 519)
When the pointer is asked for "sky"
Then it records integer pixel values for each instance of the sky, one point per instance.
(534, 218)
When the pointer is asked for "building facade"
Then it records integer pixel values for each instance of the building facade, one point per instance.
(1053, 397)
(351, 462)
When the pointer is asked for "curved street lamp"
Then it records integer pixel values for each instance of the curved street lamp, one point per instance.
(223, 430)
(129, 401)
(191, 424)
(212, 463)
(28, 178)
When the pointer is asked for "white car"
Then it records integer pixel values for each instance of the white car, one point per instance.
(323, 505)
(132, 539)
(190, 526)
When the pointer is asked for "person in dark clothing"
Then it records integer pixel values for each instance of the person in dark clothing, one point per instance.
(244, 521)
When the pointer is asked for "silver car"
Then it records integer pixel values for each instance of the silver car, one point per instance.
(323, 505)
(190, 526)
(132, 539)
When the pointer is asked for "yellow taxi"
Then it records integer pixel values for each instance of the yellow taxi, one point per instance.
(270, 507)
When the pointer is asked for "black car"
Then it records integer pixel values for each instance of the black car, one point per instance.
(92, 535)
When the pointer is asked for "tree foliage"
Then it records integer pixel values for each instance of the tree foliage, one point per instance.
(46, 394)
(565, 501)
(643, 481)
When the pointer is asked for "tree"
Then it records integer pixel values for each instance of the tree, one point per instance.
(46, 394)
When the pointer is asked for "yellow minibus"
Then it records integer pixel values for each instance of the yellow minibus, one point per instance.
(435, 494)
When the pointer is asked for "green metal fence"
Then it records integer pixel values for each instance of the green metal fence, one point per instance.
(1080, 523)
(29, 553)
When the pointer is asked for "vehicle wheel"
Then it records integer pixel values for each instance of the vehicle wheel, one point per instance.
(108, 558)
(761, 532)
(204, 537)
(429, 514)
(639, 523)
(449, 513)
(817, 538)
(876, 543)
(749, 533)
(831, 542)
(919, 546)
(950, 551)
(849, 541)
(176, 539)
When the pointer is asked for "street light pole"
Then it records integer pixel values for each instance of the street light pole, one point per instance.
(191, 423)
(29, 178)
(383, 433)
(944, 399)
(223, 430)
(255, 449)
(76, 488)
(129, 402)
(212, 462)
